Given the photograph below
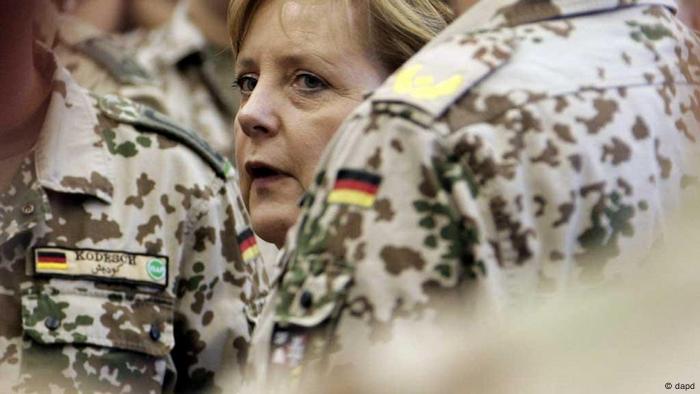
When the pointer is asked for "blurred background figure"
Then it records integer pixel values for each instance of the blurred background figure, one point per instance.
(124, 15)
(689, 12)
(191, 60)
(149, 14)
(181, 68)
(106, 15)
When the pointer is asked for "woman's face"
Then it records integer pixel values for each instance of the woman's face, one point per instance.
(301, 70)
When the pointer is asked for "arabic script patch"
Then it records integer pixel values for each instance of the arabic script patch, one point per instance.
(101, 265)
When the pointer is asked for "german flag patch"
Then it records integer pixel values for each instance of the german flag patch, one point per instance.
(354, 187)
(248, 245)
(51, 260)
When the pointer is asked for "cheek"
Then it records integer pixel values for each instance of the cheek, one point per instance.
(239, 136)
(241, 145)
(244, 187)
(311, 145)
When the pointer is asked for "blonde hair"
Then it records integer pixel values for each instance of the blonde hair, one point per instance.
(396, 29)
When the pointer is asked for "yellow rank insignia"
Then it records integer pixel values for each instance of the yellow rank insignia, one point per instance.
(112, 266)
(424, 87)
(354, 187)
(248, 245)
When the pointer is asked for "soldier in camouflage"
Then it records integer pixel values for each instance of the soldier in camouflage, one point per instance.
(196, 96)
(180, 68)
(127, 262)
(100, 62)
(534, 148)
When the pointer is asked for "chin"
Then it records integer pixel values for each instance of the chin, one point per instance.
(272, 225)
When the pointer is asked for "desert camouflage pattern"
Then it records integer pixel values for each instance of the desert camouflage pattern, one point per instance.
(108, 179)
(198, 98)
(102, 63)
(534, 149)
(194, 75)
(172, 68)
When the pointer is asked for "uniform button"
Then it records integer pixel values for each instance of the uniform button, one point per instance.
(154, 332)
(52, 323)
(302, 200)
(28, 209)
(306, 300)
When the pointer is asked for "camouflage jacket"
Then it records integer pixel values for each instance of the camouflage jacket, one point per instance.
(127, 263)
(534, 148)
(173, 69)
(106, 64)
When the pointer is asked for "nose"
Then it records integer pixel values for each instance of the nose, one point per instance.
(257, 116)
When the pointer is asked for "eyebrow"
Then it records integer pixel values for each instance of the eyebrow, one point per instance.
(245, 63)
(293, 60)
(298, 59)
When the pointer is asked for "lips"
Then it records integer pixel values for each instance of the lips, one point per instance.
(263, 172)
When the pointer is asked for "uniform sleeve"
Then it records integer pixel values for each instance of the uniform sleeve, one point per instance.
(389, 217)
(218, 290)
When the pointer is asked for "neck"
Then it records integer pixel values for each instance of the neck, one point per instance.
(24, 91)
(460, 6)
(210, 20)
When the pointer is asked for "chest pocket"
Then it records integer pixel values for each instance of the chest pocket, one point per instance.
(308, 303)
(74, 315)
(311, 290)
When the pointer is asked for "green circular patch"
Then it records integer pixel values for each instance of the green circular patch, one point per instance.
(156, 269)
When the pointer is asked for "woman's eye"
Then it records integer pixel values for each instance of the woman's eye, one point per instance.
(246, 84)
(310, 82)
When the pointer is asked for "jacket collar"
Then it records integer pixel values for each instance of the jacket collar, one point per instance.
(175, 40)
(71, 155)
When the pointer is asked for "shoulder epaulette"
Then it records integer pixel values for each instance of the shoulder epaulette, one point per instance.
(439, 75)
(144, 117)
(115, 60)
